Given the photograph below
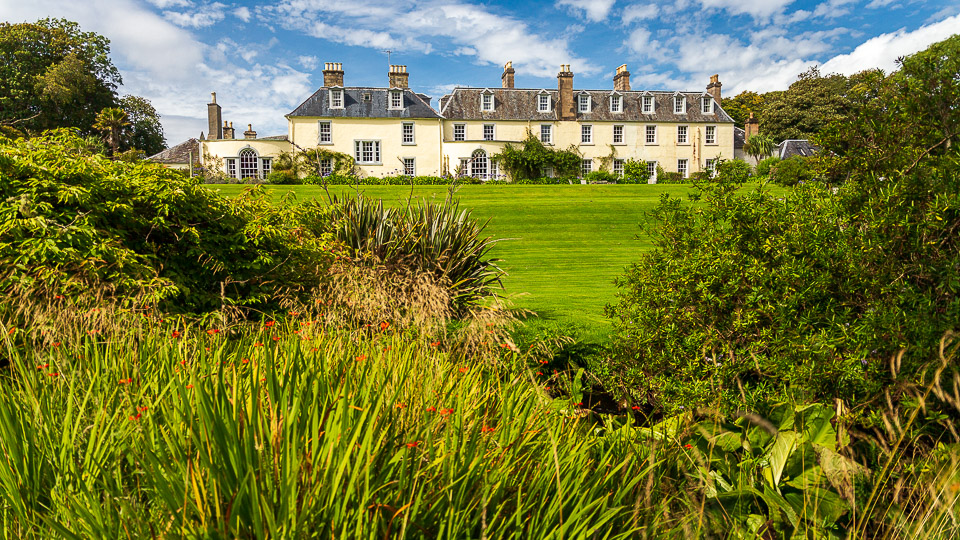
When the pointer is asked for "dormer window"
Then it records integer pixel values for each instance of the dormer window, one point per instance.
(396, 99)
(486, 102)
(336, 98)
(679, 104)
(584, 103)
(706, 105)
(646, 104)
(616, 103)
(543, 103)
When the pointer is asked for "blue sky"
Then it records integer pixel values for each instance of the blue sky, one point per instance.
(264, 57)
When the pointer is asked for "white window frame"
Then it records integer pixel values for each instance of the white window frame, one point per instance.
(480, 164)
(404, 133)
(652, 171)
(232, 168)
(679, 104)
(462, 136)
(266, 166)
(706, 105)
(584, 103)
(549, 132)
(709, 164)
(710, 135)
(683, 134)
(258, 171)
(541, 98)
(326, 166)
(621, 135)
(320, 133)
(359, 150)
(586, 134)
(685, 169)
(646, 104)
(617, 100)
(647, 132)
(618, 167)
(336, 98)
(396, 99)
(493, 132)
(487, 102)
(412, 171)
(586, 167)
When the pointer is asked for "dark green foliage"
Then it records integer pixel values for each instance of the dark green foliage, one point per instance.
(284, 178)
(671, 178)
(734, 171)
(601, 176)
(791, 171)
(634, 172)
(750, 295)
(439, 239)
(533, 158)
(546, 180)
(808, 106)
(349, 180)
(145, 132)
(763, 167)
(73, 222)
(52, 74)
(744, 103)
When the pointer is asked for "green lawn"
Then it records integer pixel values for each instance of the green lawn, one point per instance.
(562, 246)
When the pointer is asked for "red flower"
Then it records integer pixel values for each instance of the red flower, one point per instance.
(92, 332)
(142, 409)
(258, 344)
(314, 349)
(43, 366)
(539, 373)
(213, 331)
(431, 409)
(189, 386)
(579, 404)
(636, 408)
(401, 405)
(688, 446)
(544, 362)
(304, 323)
(413, 444)
(503, 345)
(59, 297)
(464, 369)
(246, 360)
(486, 429)
(434, 344)
(123, 381)
(276, 338)
(387, 348)
(135, 417)
(56, 344)
(175, 334)
(361, 358)
(445, 412)
(384, 325)
(12, 330)
(294, 313)
(53, 374)
(268, 324)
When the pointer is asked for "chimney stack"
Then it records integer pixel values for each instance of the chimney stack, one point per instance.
(214, 117)
(332, 74)
(751, 127)
(249, 133)
(621, 81)
(507, 76)
(228, 130)
(714, 88)
(399, 77)
(565, 87)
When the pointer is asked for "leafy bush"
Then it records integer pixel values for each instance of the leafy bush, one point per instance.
(596, 177)
(439, 239)
(74, 223)
(671, 178)
(349, 180)
(282, 178)
(763, 168)
(634, 172)
(532, 158)
(543, 180)
(735, 171)
(791, 171)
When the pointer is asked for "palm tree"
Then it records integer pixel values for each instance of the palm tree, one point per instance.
(759, 146)
(111, 122)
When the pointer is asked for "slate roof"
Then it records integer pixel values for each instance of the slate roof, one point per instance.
(797, 147)
(355, 105)
(179, 153)
(521, 104)
(739, 138)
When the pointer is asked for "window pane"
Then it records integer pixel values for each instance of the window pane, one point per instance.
(248, 164)
(617, 134)
(545, 133)
(408, 166)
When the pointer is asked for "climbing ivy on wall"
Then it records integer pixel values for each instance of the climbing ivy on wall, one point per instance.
(531, 157)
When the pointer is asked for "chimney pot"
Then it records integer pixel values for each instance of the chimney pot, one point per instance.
(508, 73)
(621, 81)
(714, 87)
(332, 74)
(214, 117)
(398, 77)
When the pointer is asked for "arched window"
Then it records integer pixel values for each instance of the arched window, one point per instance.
(479, 164)
(249, 166)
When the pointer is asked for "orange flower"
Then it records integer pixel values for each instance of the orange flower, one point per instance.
(56, 344)
(182, 362)
(43, 366)
(361, 358)
(53, 374)
(276, 338)
(434, 344)
(384, 325)
(213, 331)
(544, 362)
(122, 381)
(539, 373)
(635, 408)
(175, 334)
(59, 297)
(464, 369)
(314, 349)
(401, 405)
(387, 348)
(431, 409)
(446, 412)
(142, 409)
(268, 324)
(258, 344)
(189, 386)
(135, 417)
(687, 446)
(413, 444)
(294, 313)
(304, 323)
(486, 429)
(246, 360)
(92, 332)
(579, 404)
(12, 330)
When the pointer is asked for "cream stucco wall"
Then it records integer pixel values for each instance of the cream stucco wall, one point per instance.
(304, 132)
(214, 152)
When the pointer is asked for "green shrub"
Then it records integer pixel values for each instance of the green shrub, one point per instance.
(791, 171)
(282, 178)
(734, 171)
(76, 223)
(596, 177)
(671, 178)
(634, 172)
(543, 180)
(763, 168)
(531, 158)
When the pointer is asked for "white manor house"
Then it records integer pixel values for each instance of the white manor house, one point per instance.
(394, 130)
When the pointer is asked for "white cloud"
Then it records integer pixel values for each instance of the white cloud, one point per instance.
(882, 51)
(755, 8)
(594, 10)
(638, 12)
(207, 15)
(831, 9)
(309, 63)
(242, 13)
(164, 4)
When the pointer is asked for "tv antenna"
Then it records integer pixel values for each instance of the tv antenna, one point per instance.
(389, 52)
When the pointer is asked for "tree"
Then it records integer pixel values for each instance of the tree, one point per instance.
(52, 74)
(808, 106)
(759, 146)
(145, 132)
(112, 121)
(740, 107)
